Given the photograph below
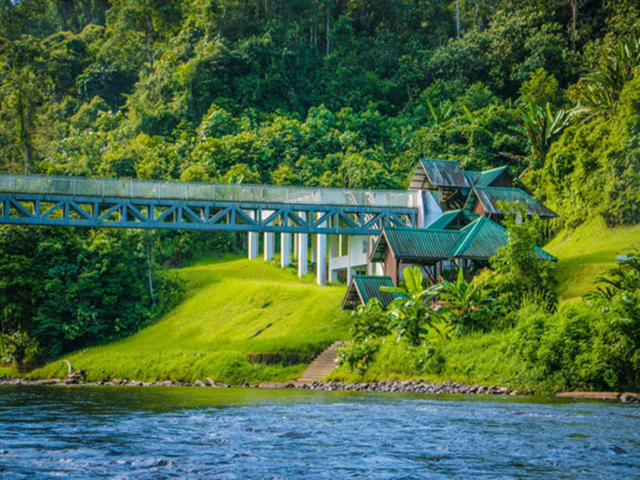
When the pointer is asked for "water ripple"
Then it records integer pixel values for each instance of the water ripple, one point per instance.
(227, 433)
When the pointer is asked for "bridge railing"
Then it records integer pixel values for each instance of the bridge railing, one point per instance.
(162, 190)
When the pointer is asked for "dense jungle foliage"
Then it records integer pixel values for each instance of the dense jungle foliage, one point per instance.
(503, 327)
(304, 92)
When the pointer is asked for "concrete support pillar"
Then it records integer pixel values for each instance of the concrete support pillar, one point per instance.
(285, 249)
(314, 249)
(253, 245)
(350, 273)
(269, 246)
(303, 254)
(333, 253)
(321, 259)
(302, 250)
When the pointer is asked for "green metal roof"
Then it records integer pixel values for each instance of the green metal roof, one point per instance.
(479, 240)
(369, 287)
(544, 255)
(445, 220)
(490, 196)
(472, 177)
(421, 243)
(483, 238)
(487, 177)
(444, 173)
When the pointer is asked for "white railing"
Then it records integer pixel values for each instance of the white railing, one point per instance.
(162, 190)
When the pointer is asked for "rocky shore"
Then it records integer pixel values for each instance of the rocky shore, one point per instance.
(408, 387)
(417, 386)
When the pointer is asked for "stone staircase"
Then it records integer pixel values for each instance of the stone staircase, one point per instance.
(321, 366)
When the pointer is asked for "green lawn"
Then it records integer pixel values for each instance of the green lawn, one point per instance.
(7, 372)
(234, 307)
(588, 251)
(479, 358)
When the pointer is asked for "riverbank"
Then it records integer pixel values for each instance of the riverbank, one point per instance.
(416, 387)
(241, 321)
(247, 321)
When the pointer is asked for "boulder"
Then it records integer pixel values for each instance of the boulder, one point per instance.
(629, 397)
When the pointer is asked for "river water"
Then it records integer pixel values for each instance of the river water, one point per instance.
(249, 433)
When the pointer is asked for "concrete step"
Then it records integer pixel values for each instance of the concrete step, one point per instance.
(321, 366)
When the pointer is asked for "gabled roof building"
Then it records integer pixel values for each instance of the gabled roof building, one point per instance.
(461, 212)
(430, 174)
(363, 288)
(485, 201)
(434, 248)
(472, 191)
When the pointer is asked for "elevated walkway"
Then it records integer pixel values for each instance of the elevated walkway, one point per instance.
(100, 202)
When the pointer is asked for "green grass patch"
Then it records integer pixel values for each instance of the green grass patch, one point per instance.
(588, 251)
(234, 308)
(473, 359)
(8, 372)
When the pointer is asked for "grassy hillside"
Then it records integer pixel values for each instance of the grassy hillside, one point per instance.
(234, 307)
(588, 251)
(237, 307)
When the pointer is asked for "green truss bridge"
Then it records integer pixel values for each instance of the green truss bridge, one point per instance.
(102, 202)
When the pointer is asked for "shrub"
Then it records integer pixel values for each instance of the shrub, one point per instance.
(18, 348)
(580, 347)
(357, 355)
(370, 321)
(468, 304)
(410, 313)
(429, 359)
(520, 275)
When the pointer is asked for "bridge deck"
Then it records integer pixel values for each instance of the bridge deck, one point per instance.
(75, 201)
(191, 191)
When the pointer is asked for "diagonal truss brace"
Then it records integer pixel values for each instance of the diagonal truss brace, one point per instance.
(33, 209)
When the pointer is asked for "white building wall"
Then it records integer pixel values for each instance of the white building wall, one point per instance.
(355, 257)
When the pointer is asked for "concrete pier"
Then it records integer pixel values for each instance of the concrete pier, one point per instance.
(269, 246)
(253, 245)
(285, 249)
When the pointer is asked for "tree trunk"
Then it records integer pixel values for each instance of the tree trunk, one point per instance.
(150, 268)
(328, 30)
(458, 18)
(574, 15)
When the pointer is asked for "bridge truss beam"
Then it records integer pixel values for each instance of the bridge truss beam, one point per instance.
(60, 210)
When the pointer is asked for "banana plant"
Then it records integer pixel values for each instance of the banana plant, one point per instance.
(441, 113)
(411, 314)
(622, 280)
(540, 126)
(599, 90)
(467, 305)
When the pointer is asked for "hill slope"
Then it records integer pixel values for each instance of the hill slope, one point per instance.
(234, 307)
(586, 252)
